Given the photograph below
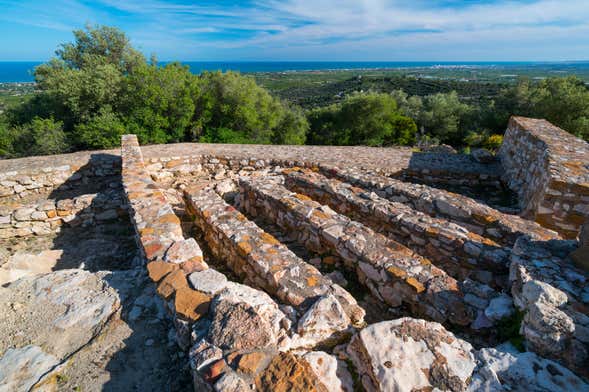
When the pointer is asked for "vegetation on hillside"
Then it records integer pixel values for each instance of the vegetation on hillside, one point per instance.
(99, 87)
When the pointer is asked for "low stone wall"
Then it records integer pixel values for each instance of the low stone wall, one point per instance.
(464, 211)
(549, 169)
(393, 273)
(262, 260)
(27, 181)
(459, 252)
(554, 296)
(51, 215)
(445, 169)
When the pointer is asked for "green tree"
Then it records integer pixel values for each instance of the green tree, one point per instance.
(230, 101)
(6, 139)
(361, 119)
(40, 137)
(444, 116)
(159, 102)
(102, 131)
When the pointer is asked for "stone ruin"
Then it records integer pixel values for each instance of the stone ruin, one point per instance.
(279, 268)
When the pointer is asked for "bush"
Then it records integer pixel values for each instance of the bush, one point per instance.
(493, 142)
(40, 137)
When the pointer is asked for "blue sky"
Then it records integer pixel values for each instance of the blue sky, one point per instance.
(326, 30)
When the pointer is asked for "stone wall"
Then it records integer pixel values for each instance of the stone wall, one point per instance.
(393, 273)
(459, 252)
(548, 167)
(476, 217)
(48, 216)
(262, 260)
(554, 296)
(30, 180)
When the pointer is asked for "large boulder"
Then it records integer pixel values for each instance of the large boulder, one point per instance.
(409, 354)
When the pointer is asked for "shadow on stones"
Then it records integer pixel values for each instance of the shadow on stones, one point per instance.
(456, 167)
(135, 350)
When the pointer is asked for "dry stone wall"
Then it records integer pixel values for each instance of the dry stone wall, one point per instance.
(464, 211)
(549, 169)
(459, 252)
(50, 215)
(31, 180)
(393, 273)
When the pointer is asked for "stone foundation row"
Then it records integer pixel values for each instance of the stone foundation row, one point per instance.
(393, 273)
(263, 262)
(460, 253)
(50, 216)
(464, 211)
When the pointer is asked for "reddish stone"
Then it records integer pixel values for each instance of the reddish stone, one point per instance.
(215, 371)
(158, 269)
(171, 283)
(191, 304)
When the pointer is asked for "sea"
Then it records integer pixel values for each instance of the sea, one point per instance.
(22, 71)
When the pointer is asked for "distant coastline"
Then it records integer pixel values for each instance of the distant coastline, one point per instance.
(22, 71)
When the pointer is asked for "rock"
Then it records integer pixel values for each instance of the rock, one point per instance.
(387, 354)
(536, 291)
(231, 382)
(500, 307)
(338, 278)
(183, 250)
(250, 363)
(158, 269)
(226, 186)
(208, 281)
(324, 322)
(24, 264)
(289, 373)
(482, 155)
(244, 318)
(60, 312)
(174, 281)
(440, 149)
(191, 304)
(332, 372)
(23, 214)
(500, 369)
(21, 368)
(135, 313)
(584, 236)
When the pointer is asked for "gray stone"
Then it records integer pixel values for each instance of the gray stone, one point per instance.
(503, 369)
(325, 321)
(21, 368)
(482, 155)
(332, 373)
(536, 291)
(387, 354)
(500, 307)
(208, 281)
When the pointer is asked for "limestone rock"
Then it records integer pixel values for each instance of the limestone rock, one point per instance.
(61, 312)
(332, 373)
(25, 264)
(503, 368)
(500, 307)
(325, 321)
(536, 291)
(183, 250)
(208, 281)
(289, 373)
(387, 354)
(244, 318)
(21, 368)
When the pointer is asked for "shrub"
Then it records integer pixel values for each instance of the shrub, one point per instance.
(493, 142)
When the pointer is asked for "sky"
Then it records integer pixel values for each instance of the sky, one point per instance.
(309, 30)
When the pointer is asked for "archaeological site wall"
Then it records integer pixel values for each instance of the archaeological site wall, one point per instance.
(549, 169)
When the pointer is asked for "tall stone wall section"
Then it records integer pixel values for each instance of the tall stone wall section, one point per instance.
(549, 169)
